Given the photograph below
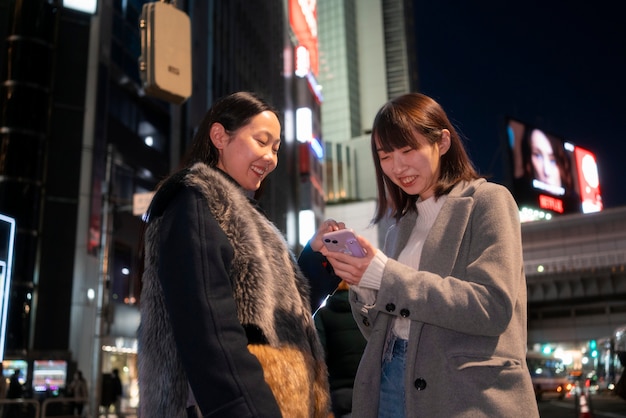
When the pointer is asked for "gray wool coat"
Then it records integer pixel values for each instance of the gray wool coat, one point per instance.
(467, 306)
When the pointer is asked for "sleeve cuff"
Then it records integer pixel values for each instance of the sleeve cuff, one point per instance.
(374, 273)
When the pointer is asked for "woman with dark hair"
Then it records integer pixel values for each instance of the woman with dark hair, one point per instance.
(546, 163)
(343, 344)
(543, 166)
(443, 306)
(226, 329)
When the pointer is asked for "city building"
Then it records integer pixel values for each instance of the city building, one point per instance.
(575, 258)
(85, 143)
(367, 56)
(576, 279)
(82, 146)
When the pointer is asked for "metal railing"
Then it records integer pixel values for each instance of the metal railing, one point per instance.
(20, 408)
(50, 407)
(60, 407)
(63, 407)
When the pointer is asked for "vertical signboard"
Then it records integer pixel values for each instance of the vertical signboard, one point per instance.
(7, 241)
(303, 22)
(588, 180)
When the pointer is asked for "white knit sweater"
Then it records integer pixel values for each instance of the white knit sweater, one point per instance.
(372, 278)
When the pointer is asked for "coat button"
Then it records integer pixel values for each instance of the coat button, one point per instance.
(420, 384)
(390, 307)
(366, 321)
(404, 313)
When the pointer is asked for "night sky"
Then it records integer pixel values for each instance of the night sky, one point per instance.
(558, 65)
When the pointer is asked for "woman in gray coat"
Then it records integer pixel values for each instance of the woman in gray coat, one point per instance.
(443, 306)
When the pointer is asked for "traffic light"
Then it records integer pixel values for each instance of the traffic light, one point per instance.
(593, 348)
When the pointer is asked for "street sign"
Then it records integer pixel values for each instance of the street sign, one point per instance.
(141, 201)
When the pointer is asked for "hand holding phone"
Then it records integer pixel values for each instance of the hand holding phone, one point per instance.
(344, 241)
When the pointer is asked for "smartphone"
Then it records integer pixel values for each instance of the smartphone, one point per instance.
(343, 241)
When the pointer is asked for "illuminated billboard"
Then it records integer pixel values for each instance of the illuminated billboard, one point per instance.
(303, 22)
(7, 243)
(11, 366)
(49, 375)
(550, 173)
(588, 180)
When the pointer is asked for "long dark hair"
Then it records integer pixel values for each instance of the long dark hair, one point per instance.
(395, 126)
(563, 162)
(233, 112)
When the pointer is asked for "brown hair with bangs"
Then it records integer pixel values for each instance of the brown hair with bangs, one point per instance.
(395, 126)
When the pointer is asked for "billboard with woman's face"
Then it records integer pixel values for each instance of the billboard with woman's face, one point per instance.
(550, 173)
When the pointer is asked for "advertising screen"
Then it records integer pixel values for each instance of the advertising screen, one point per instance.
(49, 375)
(547, 171)
(588, 180)
(9, 367)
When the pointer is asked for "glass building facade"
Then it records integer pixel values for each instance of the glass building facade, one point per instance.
(81, 140)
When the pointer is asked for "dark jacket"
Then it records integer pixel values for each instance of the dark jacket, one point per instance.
(341, 338)
(16, 390)
(249, 348)
(343, 344)
(322, 279)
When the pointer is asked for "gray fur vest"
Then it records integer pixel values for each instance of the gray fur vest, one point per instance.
(271, 295)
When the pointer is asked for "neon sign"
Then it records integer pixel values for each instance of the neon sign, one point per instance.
(551, 203)
(7, 241)
(303, 21)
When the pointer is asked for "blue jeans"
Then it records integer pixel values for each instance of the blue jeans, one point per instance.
(391, 403)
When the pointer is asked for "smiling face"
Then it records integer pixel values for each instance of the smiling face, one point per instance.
(250, 153)
(415, 170)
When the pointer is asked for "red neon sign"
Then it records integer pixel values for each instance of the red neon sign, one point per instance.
(303, 21)
(588, 180)
(550, 203)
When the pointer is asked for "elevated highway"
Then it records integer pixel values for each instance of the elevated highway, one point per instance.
(576, 273)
